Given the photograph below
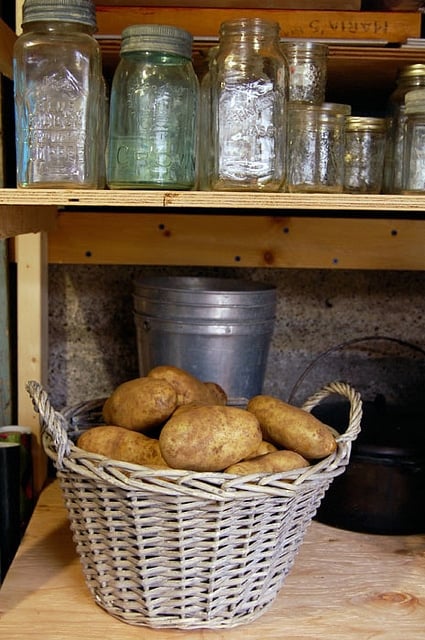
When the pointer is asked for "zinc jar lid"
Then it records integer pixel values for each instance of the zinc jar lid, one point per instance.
(157, 37)
(365, 123)
(81, 11)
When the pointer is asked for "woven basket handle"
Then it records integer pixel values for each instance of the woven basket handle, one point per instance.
(52, 423)
(356, 409)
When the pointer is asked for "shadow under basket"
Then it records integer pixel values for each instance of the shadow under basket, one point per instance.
(182, 549)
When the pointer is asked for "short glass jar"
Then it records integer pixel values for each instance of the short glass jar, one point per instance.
(249, 97)
(307, 62)
(316, 138)
(365, 141)
(154, 104)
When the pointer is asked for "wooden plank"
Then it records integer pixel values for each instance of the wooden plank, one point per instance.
(237, 241)
(5, 355)
(137, 200)
(312, 5)
(387, 26)
(18, 219)
(7, 40)
(343, 585)
(31, 252)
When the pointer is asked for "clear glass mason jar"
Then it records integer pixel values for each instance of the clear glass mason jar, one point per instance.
(154, 105)
(409, 78)
(59, 96)
(365, 140)
(307, 62)
(316, 139)
(249, 100)
(413, 174)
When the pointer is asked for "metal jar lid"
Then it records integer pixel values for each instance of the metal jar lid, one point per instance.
(411, 71)
(364, 123)
(81, 11)
(157, 37)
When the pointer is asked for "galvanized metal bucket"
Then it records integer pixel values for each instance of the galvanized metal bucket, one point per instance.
(218, 329)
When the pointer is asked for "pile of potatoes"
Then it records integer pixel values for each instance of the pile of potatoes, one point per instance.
(171, 419)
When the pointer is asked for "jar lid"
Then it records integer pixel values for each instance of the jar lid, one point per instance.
(411, 70)
(157, 37)
(81, 11)
(365, 123)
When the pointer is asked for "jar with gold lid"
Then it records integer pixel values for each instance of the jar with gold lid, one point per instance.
(365, 140)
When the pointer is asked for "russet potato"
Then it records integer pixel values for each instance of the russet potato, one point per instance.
(292, 428)
(188, 388)
(118, 443)
(209, 438)
(273, 462)
(140, 404)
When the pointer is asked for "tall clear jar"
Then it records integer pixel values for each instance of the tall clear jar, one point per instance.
(204, 156)
(409, 78)
(414, 146)
(249, 99)
(59, 96)
(154, 111)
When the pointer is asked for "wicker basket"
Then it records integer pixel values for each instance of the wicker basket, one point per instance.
(183, 549)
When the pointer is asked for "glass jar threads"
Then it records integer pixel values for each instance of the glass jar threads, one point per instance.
(154, 102)
(249, 96)
(316, 148)
(307, 62)
(59, 96)
(365, 140)
(413, 180)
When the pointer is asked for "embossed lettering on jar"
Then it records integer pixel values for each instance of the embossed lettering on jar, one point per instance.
(154, 110)
(59, 96)
(249, 97)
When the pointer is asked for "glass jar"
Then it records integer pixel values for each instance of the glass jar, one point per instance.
(307, 62)
(249, 97)
(413, 180)
(59, 96)
(154, 111)
(365, 140)
(410, 77)
(315, 148)
(205, 157)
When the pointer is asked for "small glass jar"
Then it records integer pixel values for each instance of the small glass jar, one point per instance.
(307, 62)
(249, 97)
(59, 96)
(365, 140)
(315, 149)
(153, 122)
(410, 78)
(413, 173)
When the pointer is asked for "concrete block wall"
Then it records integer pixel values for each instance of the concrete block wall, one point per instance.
(92, 337)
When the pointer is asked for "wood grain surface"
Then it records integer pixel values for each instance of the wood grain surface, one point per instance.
(343, 586)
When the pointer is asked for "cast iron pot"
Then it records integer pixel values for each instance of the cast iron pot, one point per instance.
(382, 490)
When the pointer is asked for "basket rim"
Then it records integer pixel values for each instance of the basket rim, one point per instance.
(213, 485)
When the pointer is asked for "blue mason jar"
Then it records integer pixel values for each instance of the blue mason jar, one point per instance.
(153, 111)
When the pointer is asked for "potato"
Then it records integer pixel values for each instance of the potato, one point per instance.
(140, 404)
(265, 447)
(217, 393)
(188, 387)
(273, 462)
(118, 443)
(293, 428)
(209, 438)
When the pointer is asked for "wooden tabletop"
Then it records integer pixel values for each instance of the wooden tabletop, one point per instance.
(343, 585)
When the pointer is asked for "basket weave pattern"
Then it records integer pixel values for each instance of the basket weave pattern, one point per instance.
(184, 549)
